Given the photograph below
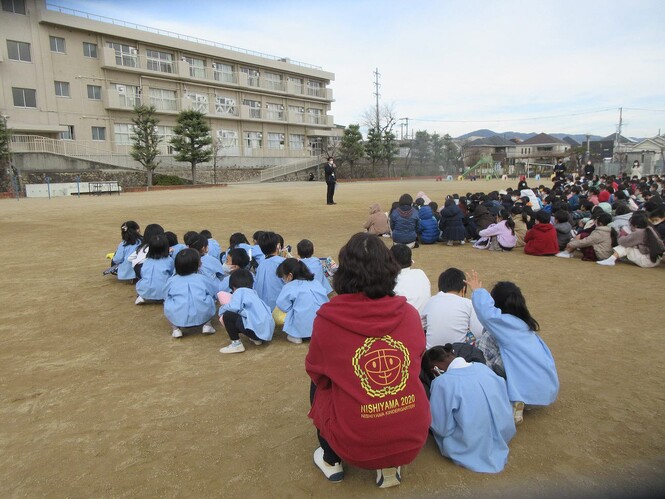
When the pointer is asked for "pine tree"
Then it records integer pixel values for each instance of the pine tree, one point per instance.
(192, 139)
(5, 136)
(145, 139)
(374, 148)
(351, 149)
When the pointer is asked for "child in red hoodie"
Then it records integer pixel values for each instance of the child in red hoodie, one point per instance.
(368, 404)
(541, 239)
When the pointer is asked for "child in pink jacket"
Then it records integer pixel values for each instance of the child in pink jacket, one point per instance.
(499, 236)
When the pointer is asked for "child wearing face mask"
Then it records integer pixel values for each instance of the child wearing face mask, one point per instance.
(236, 258)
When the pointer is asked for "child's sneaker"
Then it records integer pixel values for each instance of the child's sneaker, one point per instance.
(258, 343)
(518, 412)
(333, 472)
(208, 329)
(611, 261)
(388, 477)
(462, 242)
(139, 300)
(564, 254)
(234, 347)
(293, 339)
(176, 333)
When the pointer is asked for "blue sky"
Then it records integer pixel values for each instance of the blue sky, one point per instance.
(452, 66)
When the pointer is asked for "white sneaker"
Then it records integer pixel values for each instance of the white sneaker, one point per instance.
(388, 477)
(564, 254)
(239, 348)
(518, 412)
(293, 339)
(177, 333)
(462, 242)
(139, 300)
(610, 262)
(208, 329)
(333, 472)
(256, 342)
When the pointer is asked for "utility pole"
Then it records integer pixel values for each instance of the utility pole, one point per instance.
(407, 126)
(617, 138)
(376, 94)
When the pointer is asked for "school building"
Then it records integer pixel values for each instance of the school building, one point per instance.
(69, 81)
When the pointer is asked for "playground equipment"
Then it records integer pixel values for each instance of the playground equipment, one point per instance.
(486, 163)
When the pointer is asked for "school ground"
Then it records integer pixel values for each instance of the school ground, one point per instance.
(97, 399)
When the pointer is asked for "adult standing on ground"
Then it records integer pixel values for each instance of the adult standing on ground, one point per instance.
(331, 180)
(636, 170)
(589, 170)
(559, 170)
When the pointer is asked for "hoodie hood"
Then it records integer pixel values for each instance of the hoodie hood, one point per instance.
(375, 208)
(405, 210)
(543, 227)
(425, 212)
(364, 316)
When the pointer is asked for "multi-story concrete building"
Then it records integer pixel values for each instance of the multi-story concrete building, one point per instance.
(76, 77)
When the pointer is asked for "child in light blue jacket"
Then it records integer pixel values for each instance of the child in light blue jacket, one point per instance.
(301, 297)
(131, 240)
(305, 250)
(267, 285)
(156, 269)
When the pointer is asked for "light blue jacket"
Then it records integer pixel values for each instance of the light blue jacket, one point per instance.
(212, 268)
(301, 300)
(189, 300)
(125, 268)
(315, 267)
(154, 274)
(472, 419)
(214, 249)
(530, 371)
(254, 312)
(174, 250)
(266, 284)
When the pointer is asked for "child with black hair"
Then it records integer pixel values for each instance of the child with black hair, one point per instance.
(174, 246)
(141, 252)
(472, 421)
(595, 245)
(643, 246)
(499, 236)
(214, 249)
(189, 297)
(541, 239)
(305, 249)
(236, 258)
(563, 228)
(412, 284)
(267, 285)
(520, 220)
(156, 269)
(283, 249)
(657, 219)
(245, 314)
(300, 298)
(210, 266)
(130, 233)
(452, 223)
(510, 340)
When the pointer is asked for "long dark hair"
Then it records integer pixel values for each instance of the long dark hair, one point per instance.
(509, 299)
(510, 223)
(158, 247)
(640, 220)
(296, 268)
(366, 266)
(151, 230)
(130, 233)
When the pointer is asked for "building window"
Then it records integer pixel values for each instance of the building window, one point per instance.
(98, 133)
(125, 55)
(57, 44)
(18, 51)
(223, 72)
(275, 112)
(253, 140)
(296, 84)
(24, 97)
(198, 102)
(315, 88)
(227, 139)
(68, 135)
(128, 95)
(90, 50)
(61, 88)
(94, 92)
(123, 133)
(315, 116)
(166, 133)
(296, 142)
(296, 114)
(226, 105)
(252, 76)
(197, 67)
(163, 100)
(254, 108)
(159, 61)
(273, 81)
(15, 6)
(275, 141)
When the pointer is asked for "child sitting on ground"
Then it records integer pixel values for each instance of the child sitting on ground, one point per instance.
(157, 268)
(563, 228)
(174, 246)
(643, 246)
(267, 285)
(541, 239)
(428, 228)
(189, 297)
(377, 222)
(214, 249)
(412, 284)
(131, 239)
(210, 266)
(300, 298)
(245, 314)
(305, 249)
(237, 258)
(595, 245)
(499, 236)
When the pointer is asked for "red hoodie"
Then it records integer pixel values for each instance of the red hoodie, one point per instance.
(541, 240)
(364, 358)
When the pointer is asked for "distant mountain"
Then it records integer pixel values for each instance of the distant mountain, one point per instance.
(485, 133)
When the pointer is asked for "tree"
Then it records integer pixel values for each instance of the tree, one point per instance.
(145, 139)
(5, 137)
(192, 139)
(438, 149)
(351, 148)
(451, 154)
(390, 149)
(374, 148)
(421, 146)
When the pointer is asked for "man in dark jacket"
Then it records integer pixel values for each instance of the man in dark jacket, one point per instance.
(331, 180)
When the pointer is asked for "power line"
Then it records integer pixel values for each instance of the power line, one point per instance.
(596, 111)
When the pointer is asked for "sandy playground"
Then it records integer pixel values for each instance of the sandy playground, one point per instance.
(97, 399)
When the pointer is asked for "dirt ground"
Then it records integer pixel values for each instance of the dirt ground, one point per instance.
(97, 399)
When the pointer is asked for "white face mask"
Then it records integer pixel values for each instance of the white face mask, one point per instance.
(227, 269)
